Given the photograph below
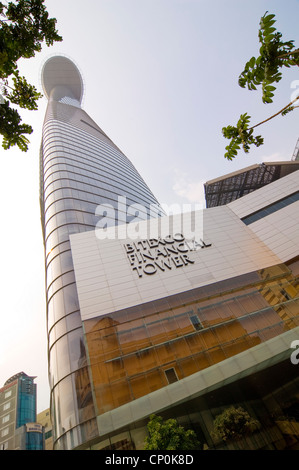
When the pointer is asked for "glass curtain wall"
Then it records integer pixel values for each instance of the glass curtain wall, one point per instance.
(131, 355)
(26, 405)
(81, 169)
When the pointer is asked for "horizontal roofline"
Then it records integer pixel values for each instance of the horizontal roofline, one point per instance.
(251, 167)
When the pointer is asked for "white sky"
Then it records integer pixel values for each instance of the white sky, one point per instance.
(161, 79)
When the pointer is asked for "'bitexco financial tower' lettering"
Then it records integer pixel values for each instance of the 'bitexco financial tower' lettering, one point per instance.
(149, 256)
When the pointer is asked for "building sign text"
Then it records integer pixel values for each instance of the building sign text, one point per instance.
(149, 256)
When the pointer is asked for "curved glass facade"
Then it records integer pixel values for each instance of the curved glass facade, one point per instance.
(82, 170)
(26, 407)
(34, 441)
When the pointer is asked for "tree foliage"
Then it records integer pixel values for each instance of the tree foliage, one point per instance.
(169, 435)
(233, 423)
(264, 71)
(24, 26)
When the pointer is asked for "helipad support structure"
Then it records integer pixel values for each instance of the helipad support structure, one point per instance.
(161, 315)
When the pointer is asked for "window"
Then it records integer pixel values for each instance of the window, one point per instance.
(171, 375)
(285, 294)
(6, 406)
(7, 394)
(196, 322)
(48, 434)
(276, 206)
(4, 431)
(5, 419)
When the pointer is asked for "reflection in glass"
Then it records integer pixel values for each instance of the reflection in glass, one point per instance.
(137, 350)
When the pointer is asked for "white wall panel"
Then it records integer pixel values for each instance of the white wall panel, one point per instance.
(234, 250)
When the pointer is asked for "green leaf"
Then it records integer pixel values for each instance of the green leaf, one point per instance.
(288, 110)
(252, 62)
(268, 18)
(169, 435)
(25, 26)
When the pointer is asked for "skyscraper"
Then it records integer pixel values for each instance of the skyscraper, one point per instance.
(18, 427)
(81, 169)
(173, 317)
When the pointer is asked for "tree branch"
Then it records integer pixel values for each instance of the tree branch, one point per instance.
(296, 51)
(276, 114)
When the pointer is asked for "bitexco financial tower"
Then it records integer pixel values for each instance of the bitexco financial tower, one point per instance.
(173, 323)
